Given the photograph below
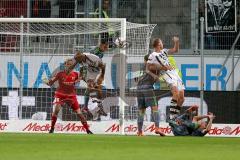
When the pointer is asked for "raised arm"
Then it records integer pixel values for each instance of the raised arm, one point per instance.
(209, 125)
(51, 81)
(198, 118)
(149, 68)
(100, 76)
(175, 48)
(102, 66)
(156, 67)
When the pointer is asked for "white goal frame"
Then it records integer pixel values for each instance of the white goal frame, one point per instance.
(123, 27)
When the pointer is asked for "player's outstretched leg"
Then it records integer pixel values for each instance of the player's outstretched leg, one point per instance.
(180, 98)
(174, 109)
(83, 121)
(54, 117)
(101, 111)
(156, 119)
(176, 102)
(53, 122)
(85, 109)
(140, 120)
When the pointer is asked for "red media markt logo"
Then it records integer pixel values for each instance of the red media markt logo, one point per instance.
(225, 131)
(133, 129)
(70, 127)
(3, 126)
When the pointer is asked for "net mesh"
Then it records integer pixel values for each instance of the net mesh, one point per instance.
(44, 48)
(45, 38)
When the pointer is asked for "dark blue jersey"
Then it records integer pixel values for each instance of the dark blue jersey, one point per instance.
(184, 119)
(178, 130)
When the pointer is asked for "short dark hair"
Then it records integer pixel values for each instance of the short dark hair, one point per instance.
(104, 41)
(104, 38)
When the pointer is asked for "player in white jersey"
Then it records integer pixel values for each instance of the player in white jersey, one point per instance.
(145, 92)
(92, 67)
(170, 76)
(93, 76)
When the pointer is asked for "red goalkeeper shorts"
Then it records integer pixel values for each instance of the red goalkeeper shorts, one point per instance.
(71, 100)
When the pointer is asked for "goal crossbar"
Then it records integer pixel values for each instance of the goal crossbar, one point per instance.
(60, 20)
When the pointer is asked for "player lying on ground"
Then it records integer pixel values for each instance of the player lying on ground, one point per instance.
(66, 94)
(94, 76)
(145, 92)
(183, 125)
(171, 76)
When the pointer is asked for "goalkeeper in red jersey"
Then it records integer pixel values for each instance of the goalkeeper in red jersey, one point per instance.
(66, 94)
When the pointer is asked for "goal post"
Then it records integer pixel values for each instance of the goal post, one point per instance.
(34, 48)
(122, 79)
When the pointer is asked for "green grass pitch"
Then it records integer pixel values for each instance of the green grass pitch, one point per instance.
(111, 147)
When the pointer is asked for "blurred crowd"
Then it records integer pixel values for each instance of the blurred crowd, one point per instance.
(177, 21)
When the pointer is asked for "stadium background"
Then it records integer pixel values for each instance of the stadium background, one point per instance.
(173, 17)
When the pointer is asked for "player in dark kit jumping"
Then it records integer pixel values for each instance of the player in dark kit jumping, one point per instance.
(66, 94)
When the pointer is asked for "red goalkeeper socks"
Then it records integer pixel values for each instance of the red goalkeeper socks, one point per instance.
(85, 125)
(53, 121)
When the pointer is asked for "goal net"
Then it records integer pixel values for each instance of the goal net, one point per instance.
(33, 49)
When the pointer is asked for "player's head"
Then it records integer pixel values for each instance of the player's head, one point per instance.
(68, 63)
(104, 45)
(157, 44)
(105, 4)
(80, 57)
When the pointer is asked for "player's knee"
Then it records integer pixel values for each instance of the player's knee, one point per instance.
(182, 99)
(77, 110)
(82, 117)
(155, 116)
(56, 110)
(140, 117)
(175, 92)
(141, 114)
(55, 114)
(80, 114)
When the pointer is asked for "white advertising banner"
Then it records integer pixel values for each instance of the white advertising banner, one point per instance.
(35, 68)
(106, 127)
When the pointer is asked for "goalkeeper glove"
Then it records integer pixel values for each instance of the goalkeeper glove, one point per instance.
(45, 80)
